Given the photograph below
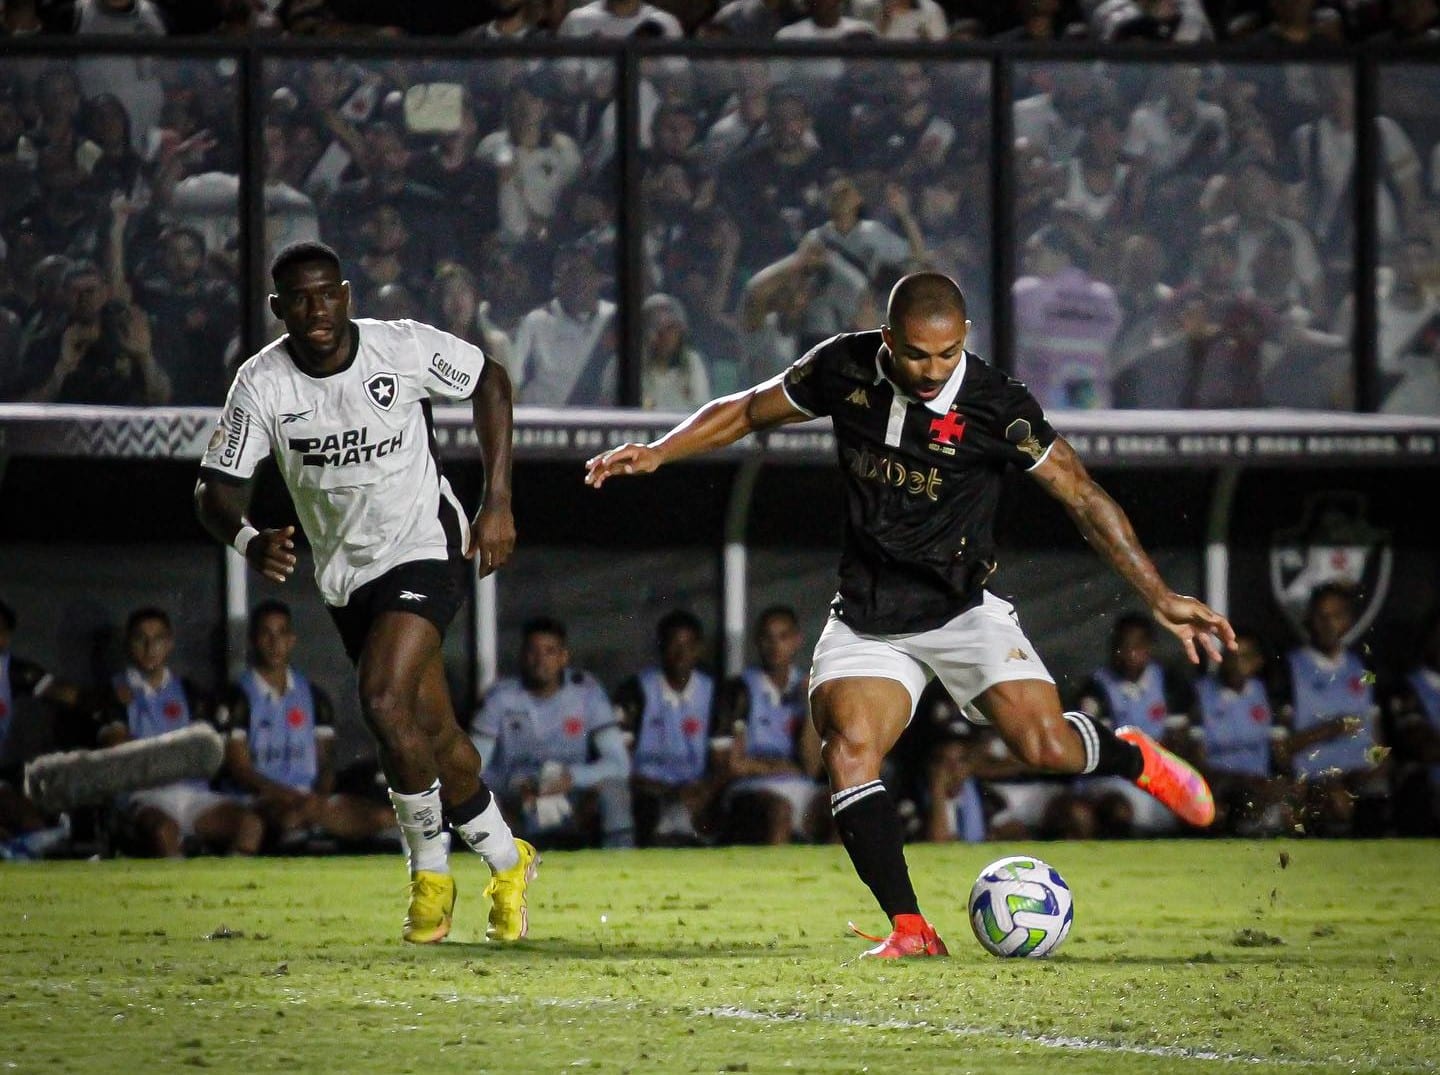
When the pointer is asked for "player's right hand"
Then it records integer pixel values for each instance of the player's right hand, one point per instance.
(626, 459)
(272, 553)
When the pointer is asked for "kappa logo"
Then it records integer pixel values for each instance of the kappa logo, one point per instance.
(411, 595)
(859, 398)
(296, 416)
(382, 388)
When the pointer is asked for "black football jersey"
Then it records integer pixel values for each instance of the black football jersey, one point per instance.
(922, 479)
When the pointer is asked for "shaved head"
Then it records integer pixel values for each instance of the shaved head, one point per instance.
(924, 295)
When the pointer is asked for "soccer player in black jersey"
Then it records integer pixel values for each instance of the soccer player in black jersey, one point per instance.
(925, 431)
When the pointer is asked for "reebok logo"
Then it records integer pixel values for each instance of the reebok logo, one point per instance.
(1017, 654)
(411, 595)
(859, 398)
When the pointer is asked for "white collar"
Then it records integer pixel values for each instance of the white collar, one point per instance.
(682, 696)
(270, 691)
(941, 403)
(776, 693)
(138, 681)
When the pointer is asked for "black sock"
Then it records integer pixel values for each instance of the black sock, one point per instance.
(471, 808)
(1105, 753)
(869, 826)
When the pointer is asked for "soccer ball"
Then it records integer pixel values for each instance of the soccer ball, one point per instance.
(1020, 906)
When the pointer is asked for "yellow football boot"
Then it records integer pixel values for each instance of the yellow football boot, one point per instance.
(509, 920)
(432, 903)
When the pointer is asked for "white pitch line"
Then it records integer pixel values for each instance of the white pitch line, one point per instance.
(1045, 1041)
(1048, 1041)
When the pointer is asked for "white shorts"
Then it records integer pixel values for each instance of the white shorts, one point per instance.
(974, 651)
(182, 803)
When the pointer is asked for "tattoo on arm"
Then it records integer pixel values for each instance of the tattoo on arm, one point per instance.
(1101, 521)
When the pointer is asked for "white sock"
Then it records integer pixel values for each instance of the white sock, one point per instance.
(423, 826)
(490, 837)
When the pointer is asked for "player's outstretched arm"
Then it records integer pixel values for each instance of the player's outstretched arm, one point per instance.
(1107, 528)
(220, 507)
(492, 531)
(720, 422)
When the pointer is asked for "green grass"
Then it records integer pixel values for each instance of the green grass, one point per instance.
(728, 960)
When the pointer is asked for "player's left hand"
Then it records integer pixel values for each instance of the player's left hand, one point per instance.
(625, 459)
(1191, 620)
(492, 538)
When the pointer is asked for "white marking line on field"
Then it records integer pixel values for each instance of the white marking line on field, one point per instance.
(1046, 1041)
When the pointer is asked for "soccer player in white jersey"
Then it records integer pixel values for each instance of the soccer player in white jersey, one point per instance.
(344, 406)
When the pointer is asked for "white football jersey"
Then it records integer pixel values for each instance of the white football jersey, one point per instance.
(356, 447)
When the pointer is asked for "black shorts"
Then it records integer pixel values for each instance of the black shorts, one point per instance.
(434, 589)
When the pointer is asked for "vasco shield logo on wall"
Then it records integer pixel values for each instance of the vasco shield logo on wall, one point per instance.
(382, 389)
(1333, 542)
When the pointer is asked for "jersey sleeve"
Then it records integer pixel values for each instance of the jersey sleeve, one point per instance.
(1021, 425)
(241, 440)
(805, 382)
(450, 367)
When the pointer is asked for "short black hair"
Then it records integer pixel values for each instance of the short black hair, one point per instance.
(925, 295)
(776, 612)
(7, 616)
(271, 606)
(146, 612)
(677, 620)
(1133, 621)
(297, 253)
(543, 625)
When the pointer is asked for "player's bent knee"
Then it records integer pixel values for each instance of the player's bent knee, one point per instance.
(1045, 745)
(851, 759)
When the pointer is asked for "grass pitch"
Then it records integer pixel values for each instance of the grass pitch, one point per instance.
(1187, 956)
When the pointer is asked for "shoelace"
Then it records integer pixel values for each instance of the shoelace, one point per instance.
(865, 936)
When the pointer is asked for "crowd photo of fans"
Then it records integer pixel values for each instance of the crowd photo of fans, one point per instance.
(1183, 232)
